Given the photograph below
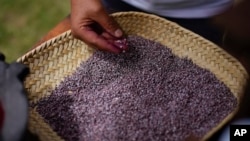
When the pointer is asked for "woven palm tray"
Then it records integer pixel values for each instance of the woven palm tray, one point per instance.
(59, 57)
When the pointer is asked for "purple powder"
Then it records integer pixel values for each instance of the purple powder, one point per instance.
(146, 93)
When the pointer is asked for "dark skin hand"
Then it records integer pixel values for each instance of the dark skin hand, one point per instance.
(91, 23)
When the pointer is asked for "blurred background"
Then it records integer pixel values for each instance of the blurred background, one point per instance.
(24, 22)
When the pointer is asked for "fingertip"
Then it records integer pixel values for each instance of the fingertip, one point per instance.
(112, 48)
(107, 45)
(110, 25)
(118, 33)
(102, 42)
(121, 44)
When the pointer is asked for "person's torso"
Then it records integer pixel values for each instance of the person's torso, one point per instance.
(182, 8)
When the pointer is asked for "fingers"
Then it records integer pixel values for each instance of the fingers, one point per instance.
(109, 25)
(92, 24)
(94, 35)
(112, 29)
(97, 41)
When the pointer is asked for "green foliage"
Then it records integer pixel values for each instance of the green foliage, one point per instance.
(24, 22)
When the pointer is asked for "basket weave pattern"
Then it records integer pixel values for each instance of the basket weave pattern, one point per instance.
(59, 57)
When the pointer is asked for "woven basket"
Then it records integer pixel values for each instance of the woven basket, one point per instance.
(59, 57)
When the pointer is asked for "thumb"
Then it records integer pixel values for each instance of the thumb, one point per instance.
(110, 25)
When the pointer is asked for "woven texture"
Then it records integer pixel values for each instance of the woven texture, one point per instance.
(59, 57)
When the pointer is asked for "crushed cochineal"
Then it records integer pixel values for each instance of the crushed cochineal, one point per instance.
(146, 93)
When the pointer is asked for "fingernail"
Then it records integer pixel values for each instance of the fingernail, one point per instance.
(118, 33)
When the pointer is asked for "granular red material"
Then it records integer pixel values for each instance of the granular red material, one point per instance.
(146, 93)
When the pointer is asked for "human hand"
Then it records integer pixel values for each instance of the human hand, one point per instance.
(91, 23)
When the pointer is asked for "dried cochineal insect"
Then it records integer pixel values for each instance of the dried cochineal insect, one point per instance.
(146, 93)
(121, 43)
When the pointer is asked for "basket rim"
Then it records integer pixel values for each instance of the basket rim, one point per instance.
(69, 32)
(225, 54)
